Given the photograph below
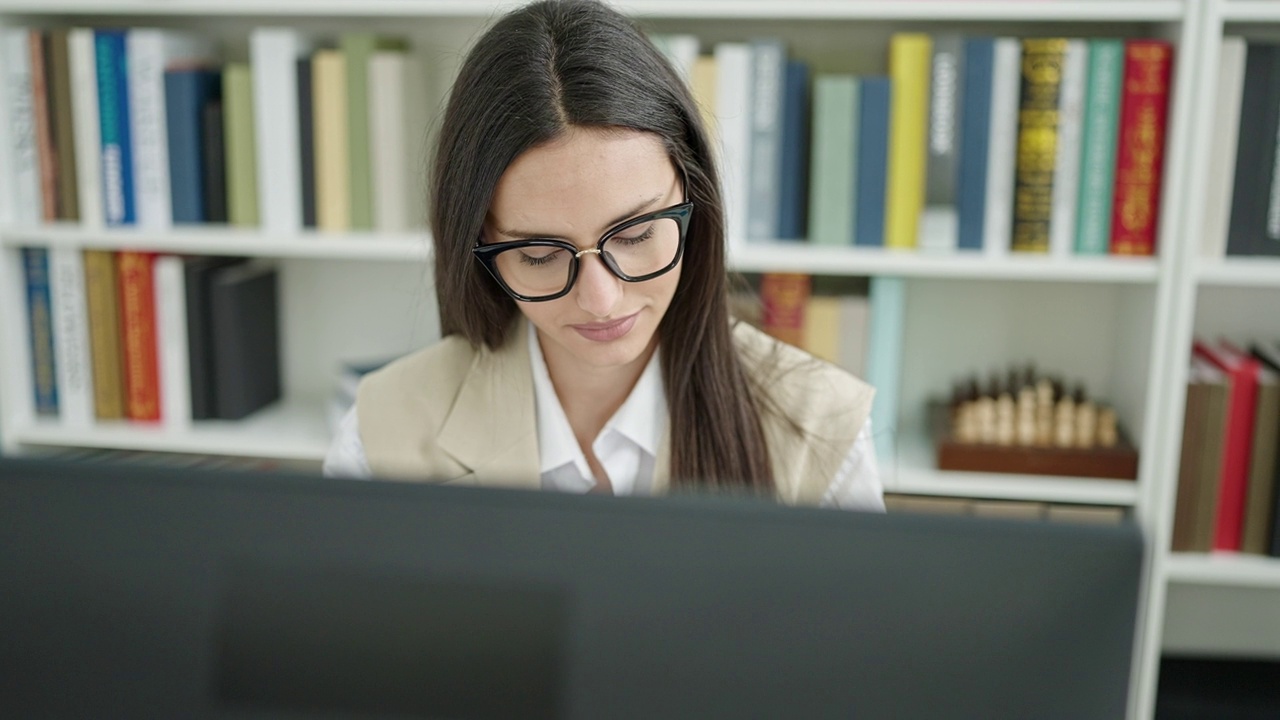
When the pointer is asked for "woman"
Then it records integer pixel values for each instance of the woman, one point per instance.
(580, 267)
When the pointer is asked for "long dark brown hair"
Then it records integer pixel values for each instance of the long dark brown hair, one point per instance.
(537, 72)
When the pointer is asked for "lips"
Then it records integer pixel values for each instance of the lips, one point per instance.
(607, 330)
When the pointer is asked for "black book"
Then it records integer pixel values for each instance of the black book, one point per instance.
(246, 348)
(306, 138)
(1269, 355)
(198, 272)
(215, 161)
(1255, 224)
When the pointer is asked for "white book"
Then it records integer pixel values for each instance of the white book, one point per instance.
(85, 125)
(681, 50)
(149, 52)
(397, 123)
(768, 71)
(1006, 85)
(855, 324)
(1221, 176)
(273, 56)
(74, 359)
(23, 167)
(1066, 178)
(171, 342)
(733, 115)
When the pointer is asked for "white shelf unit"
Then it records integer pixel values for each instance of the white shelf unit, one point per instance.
(1109, 321)
(1232, 570)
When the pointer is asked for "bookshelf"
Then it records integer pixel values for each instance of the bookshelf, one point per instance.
(1118, 324)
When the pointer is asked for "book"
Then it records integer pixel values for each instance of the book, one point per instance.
(241, 145)
(41, 106)
(306, 142)
(115, 128)
(680, 49)
(86, 130)
(396, 120)
(138, 329)
(1098, 147)
(1140, 148)
(784, 296)
(909, 56)
(1269, 356)
(884, 361)
(1259, 501)
(733, 118)
(101, 287)
(833, 169)
(1042, 60)
(1227, 103)
(1066, 180)
(975, 137)
(1190, 479)
(244, 308)
(329, 89)
(1002, 148)
(196, 283)
(1259, 120)
(821, 331)
(768, 73)
(1242, 374)
(186, 93)
(60, 108)
(273, 57)
(69, 310)
(214, 152)
(357, 49)
(703, 85)
(172, 342)
(44, 372)
(794, 167)
(1210, 454)
(871, 161)
(939, 223)
(22, 199)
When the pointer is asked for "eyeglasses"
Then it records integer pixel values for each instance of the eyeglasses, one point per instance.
(541, 269)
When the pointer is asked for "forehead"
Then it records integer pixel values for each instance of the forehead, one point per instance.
(581, 181)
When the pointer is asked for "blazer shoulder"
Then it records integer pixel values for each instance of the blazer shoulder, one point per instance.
(427, 379)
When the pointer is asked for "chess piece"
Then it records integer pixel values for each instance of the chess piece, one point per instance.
(1026, 419)
(1108, 432)
(1064, 422)
(1005, 419)
(1086, 424)
(985, 419)
(1044, 412)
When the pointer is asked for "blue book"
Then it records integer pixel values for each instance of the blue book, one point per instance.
(793, 203)
(873, 161)
(113, 112)
(44, 373)
(185, 95)
(975, 128)
(888, 297)
(768, 69)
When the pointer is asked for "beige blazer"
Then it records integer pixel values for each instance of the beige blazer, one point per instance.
(461, 415)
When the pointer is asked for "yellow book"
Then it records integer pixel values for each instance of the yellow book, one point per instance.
(909, 56)
(822, 328)
(333, 164)
(704, 93)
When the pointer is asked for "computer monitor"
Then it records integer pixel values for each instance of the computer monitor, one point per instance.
(145, 592)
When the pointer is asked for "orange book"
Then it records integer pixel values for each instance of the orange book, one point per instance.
(45, 150)
(138, 328)
(784, 296)
(1140, 148)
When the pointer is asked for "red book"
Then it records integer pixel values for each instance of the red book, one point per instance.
(138, 326)
(45, 150)
(784, 297)
(1242, 376)
(1140, 150)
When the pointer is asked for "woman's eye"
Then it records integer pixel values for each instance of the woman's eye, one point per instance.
(544, 257)
(636, 238)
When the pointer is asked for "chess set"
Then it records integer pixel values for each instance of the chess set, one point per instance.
(1030, 424)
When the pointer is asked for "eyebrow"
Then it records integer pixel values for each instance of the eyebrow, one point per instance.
(522, 235)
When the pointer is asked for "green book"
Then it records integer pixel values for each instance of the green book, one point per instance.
(357, 48)
(241, 162)
(833, 163)
(1098, 145)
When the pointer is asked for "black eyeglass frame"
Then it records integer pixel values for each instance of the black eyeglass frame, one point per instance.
(488, 254)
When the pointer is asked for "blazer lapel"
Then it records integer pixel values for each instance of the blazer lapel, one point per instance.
(492, 427)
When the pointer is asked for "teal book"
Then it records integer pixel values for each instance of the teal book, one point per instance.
(833, 163)
(888, 298)
(1098, 147)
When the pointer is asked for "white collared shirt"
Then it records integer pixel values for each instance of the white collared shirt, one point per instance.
(626, 448)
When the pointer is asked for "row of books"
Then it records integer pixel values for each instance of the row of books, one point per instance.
(1227, 478)
(1242, 209)
(158, 339)
(1046, 145)
(150, 128)
(830, 318)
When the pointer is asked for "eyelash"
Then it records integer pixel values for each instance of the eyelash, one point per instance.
(535, 262)
(638, 239)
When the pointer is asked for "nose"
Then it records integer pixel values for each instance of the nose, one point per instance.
(597, 290)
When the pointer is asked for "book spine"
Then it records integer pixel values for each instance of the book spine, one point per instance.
(35, 262)
(795, 154)
(25, 174)
(213, 150)
(63, 133)
(171, 342)
(71, 337)
(705, 74)
(1098, 156)
(768, 68)
(855, 313)
(822, 327)
(306, 142)
(138, 327)
(680, 50)
(185, 92)
(102, 294)
(909, 56)
(939, 223)
(274, 54)
(1226, 127)
(199, 325)
(329, 85)
(113, 111)
(1002, 152)
(884, 361)
(41, 106)
(357, 48)
(145, 67)
(784, 296)
(1188, 466)
(833, 180)
(1037, 142)
(1066, 181)
(241, 164)
(975, 136)
(388, 137)
(871, 160)
(733, 115)
(87, 133)
(1140, 151)
(1255, 535)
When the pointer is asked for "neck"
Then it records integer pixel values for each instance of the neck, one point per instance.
(591, 395)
